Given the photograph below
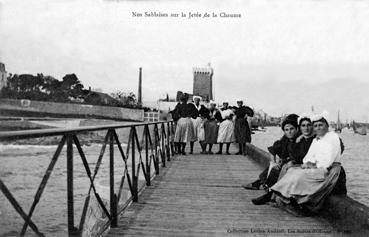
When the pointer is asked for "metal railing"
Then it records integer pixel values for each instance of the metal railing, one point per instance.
(156, 145)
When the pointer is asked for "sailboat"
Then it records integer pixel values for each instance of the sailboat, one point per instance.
(338, 128)
(358, 128)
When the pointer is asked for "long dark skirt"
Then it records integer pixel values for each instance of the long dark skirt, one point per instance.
(270, 175)
(340, 187)
(242, 131)
(211, 131)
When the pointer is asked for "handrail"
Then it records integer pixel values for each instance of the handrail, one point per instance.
(158, 148)
(32, 133)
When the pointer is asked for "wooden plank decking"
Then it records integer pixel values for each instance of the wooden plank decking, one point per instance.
(201, 195)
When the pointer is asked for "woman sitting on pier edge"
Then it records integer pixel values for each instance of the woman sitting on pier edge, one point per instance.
(211, 127)
(282, 149)
(301, 145)
(242, 129)
(307, 186)
(226, 129)
(184, 129)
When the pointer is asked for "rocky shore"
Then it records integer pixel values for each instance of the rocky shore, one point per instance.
(85, 139)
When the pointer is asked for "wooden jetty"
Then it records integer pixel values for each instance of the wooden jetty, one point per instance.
(201, 195)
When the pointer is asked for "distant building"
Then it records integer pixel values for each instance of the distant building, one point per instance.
(203, 82)
(3, 75)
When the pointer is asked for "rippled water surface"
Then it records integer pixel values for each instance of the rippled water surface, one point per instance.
(22, 168)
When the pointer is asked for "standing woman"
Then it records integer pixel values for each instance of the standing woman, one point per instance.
(242, 129)
(211, 126)
(184, 130)
(175, 116)
(197, 121)
(204, 115)
(226, 129)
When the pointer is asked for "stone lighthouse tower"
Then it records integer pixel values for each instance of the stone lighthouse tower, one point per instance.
(203, 82)
(3, 79)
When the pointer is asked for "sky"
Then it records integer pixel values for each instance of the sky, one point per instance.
(282, 56)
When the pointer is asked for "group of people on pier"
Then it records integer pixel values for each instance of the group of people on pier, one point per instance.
(210, 125)
(304, 163)
(305, 166)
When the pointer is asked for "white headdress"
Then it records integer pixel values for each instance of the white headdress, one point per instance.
(196, 97)
(302, 116)
(317, 117)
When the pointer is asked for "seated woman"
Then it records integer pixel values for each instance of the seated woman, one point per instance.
(307, 186)
(280, 148)
(300, 147)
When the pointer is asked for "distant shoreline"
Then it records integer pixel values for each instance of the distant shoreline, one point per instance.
(28, 123)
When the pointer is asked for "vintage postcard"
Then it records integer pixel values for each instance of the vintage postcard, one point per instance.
(184, 117)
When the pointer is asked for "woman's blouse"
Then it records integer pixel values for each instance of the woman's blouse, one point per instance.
(215, 115)
(187, 110)
(324, 151)
(300, 149)
(226, 113)
(282, 148)
(204, 112)
(243, 110)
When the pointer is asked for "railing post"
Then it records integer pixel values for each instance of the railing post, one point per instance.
(113, 197)
(156, 148)
(163, 150)
(148, 170)
(172, 134)
(134, 175)
(168, 142)
(72, 231)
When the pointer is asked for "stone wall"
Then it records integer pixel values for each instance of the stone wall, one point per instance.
(70, 110)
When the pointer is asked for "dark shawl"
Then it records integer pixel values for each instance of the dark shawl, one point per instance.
(283, 148)
(243, 110)
(186, 110)
(300, 149)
